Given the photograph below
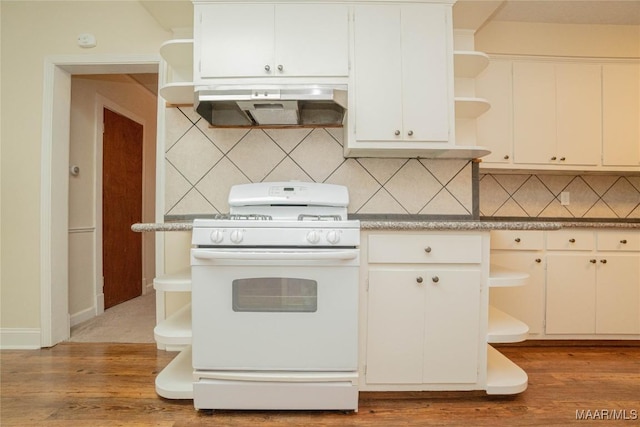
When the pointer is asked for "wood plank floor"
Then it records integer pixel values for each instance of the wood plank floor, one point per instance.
(78, 384)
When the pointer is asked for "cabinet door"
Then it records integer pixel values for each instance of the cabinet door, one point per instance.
(312, 40)
(425, 72)
(378, 71)
(571, 294)
(237, 40)
(452, 325)
(525, 303)
(534, 112)
(579, 114)
(621, 114)
(618, 294)
(395, 329)
(494, 129)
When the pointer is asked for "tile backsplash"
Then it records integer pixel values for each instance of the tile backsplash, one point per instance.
(202, 163)
(538, 196)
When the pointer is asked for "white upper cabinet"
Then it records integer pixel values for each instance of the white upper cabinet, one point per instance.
(402, 81)
(270, 40)
(621, 114)
(556, 113)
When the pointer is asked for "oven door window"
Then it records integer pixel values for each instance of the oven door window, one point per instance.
(275, 294)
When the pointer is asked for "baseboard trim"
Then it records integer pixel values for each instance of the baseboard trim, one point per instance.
(20, 339)
(82, 316)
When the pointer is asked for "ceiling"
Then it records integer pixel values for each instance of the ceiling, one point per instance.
(177, 15)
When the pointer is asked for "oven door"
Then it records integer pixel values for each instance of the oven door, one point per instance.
(275, 309)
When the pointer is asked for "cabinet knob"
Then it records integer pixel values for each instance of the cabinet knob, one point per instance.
(428, 249)
(554, 158)
(592, 261)
(280, 67)
(506, 157)
(517, 239)
(604, 261)
(562, 159)
(538, 260)
(572, 240)
(267, 68)
(397, 132)
(435, 279)
(419, 279)
(410, 133)
(623, 241)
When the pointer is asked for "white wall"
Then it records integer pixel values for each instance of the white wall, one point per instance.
(32, 31)
(525, 38)
(88, 95)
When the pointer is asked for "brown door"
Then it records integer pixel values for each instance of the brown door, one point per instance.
(121, 207)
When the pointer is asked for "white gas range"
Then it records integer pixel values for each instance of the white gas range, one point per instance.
(275, 300)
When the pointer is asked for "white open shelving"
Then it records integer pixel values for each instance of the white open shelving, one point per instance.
(175, 381)
(177, 86)
(504, 376)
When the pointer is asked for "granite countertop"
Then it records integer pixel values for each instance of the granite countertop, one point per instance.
(422, 225)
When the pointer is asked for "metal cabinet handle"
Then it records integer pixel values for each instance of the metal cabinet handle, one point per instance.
(267, 68)
(623, 241)
(604, 261)
(538, 260)
(554, 158)
(280, 67)
(410, 133)
(435, 279)
(592, 261)
(517, 240)
(397, 132)
(572, 240)
(428, 249)
(506, 157)
(562, 159)
(419, 279)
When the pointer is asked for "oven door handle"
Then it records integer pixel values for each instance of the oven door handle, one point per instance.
(207, 254)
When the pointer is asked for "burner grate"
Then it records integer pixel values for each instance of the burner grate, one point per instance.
(310, 217)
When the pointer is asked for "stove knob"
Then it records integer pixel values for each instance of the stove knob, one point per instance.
(313, 237)
(333, 237)
(217, 236)
(236, 236)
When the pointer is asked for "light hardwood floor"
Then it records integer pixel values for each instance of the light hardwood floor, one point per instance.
(78, 384)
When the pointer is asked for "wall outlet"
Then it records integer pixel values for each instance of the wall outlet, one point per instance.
(564, 198)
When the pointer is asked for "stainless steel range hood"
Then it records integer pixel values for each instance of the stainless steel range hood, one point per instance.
(272, 105)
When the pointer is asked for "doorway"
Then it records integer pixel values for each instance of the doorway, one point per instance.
(121, 206)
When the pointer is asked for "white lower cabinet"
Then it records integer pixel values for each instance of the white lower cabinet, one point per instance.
(423, 326)
(424, 315)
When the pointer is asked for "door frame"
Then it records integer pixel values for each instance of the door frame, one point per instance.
(54, 186)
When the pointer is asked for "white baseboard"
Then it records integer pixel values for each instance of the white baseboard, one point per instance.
(82, 316)
(20, 338)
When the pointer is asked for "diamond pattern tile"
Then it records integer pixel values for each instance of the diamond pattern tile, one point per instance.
(318, 154)
(288, 139)
(582, 197)
(556, 183)
(600, 210)
(600, 183)
(555, 210)
(287, 170)
(413, 186)
(193, 167)
(492, 196)
(511, 208)
(511, 183)
(382, 202)
(256, 155)
(444, 204)
(382, 169)
(176, 124)
(533, 196)
(360, 183)
(460, 188)
(216, 184)
(623, 197)
(223, 138)
(176, 186)
(444, 170)
(192, 203)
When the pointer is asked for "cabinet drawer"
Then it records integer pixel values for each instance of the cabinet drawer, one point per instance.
(427, 248)
(517, 240)
(618, 241)
(571, 240)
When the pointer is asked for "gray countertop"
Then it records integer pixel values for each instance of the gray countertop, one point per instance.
(418, 225)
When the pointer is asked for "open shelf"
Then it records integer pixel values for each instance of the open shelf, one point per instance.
(178, 52)
(470, 107)
(175, 282)
(503, 277)
(468, 63)
(178, 88)
(175, 329)
(176, 379)
(504, 328)
(504, 376)
(178, 93)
